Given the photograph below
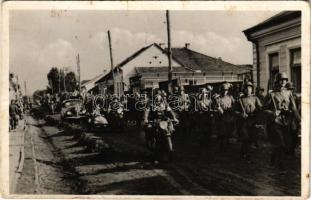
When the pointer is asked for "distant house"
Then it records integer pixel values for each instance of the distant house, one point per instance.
(111, 83)
(149, 66)
(277, 48)
(90, 85)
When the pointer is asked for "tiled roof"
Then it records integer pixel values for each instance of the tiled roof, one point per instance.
(134, 55)
(84, 82)
(142, 70)
(198, 61)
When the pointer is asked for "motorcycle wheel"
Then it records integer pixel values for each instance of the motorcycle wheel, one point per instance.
(169, 149)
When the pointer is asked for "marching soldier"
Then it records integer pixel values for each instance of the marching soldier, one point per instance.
(205, 100)
(248, 107)
(295, 131)
(290, 86)
(225, 115)
(281, 108)
(205, 114)
(182, 112)
(260, 94)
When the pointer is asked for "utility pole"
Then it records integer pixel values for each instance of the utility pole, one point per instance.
(111, 61)
(79, 73)
(25, 88)
(169, 52)
(64, 81)
(59, 80)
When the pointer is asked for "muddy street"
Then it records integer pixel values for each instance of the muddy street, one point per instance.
(57, 161)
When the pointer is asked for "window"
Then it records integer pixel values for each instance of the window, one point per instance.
(295, 66)
(273, 67)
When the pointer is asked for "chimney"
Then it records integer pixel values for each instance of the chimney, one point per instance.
(187, 45)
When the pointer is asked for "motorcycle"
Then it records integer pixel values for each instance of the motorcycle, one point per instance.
(52, 107)
(97, 121)
(158, 138)
(117, 120)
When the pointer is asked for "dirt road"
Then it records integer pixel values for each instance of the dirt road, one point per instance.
(60, 163)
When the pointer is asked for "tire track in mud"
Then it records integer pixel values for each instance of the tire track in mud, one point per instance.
(51, 174)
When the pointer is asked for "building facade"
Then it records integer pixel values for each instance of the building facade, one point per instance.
(277, 48)
(149, 66)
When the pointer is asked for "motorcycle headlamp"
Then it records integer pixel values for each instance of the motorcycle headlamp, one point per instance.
(119, 111)
(163, 125)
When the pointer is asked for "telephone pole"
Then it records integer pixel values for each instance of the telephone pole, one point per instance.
(111, 61)
(169, 52)
(64, 80)
(25, 88)
(59, 80)
(79, 73)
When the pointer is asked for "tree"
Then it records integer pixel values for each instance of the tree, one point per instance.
(57, 82)
(53, 78)
(71, 81)
(39, 94)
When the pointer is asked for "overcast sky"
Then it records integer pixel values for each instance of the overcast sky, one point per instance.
(40, 40)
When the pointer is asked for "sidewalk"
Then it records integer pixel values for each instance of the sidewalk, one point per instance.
(16, 149)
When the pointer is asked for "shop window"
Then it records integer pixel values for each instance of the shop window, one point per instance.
(273, 67)
(295, 65)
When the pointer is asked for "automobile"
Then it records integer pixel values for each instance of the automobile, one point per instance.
(73, 110)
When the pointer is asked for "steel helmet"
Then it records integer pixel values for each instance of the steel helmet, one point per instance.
(281, 76)
(248, 83)
(225, 86)
(209, 87)
(289, 85)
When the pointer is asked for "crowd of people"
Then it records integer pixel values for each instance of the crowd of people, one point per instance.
(245, 114)
(17, 109)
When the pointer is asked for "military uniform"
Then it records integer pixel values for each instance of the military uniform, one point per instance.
(13, 111)
(247, 109)
(205, 119)
(281, 109)
(224, 106)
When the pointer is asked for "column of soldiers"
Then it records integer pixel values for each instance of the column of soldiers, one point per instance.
(245, 115)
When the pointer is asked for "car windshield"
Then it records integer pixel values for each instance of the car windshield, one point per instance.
(72, 103)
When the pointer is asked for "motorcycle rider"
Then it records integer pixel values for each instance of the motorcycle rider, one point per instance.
(281, 110)
(247, 109)
(116, 113)
(160, 109)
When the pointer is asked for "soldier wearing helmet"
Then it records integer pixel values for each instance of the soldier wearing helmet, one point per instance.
(225, 116)
(205, 115)
(260, 94)
(247, 109)
(281, 110)
(295, 131)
